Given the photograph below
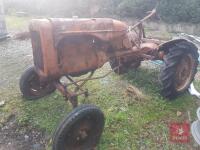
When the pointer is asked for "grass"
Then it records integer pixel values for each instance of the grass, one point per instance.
(17, 23)
(130, 123)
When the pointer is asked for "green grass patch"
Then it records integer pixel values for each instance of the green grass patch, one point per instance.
(17, 23)
(130, 124)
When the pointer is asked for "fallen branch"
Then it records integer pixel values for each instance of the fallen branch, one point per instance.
(134, 91)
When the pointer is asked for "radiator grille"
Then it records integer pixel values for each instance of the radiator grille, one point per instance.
(37, 50)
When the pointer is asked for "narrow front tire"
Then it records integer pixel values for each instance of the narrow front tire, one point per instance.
(80, 130)
(32, 88)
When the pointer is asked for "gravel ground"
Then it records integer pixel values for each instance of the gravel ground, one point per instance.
(15, 56)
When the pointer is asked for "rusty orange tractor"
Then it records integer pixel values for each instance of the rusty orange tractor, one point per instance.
(74, 47)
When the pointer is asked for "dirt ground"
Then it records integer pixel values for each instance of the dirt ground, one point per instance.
(13, 137)
(15, 56)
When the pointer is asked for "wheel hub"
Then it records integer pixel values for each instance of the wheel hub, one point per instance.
(36, 87)
(80, 135)
(82, 132)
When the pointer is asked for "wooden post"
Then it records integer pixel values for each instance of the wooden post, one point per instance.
(3, 29)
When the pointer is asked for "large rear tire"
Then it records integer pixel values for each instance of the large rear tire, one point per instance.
(31, 87)
(180, 67)
(80, 130)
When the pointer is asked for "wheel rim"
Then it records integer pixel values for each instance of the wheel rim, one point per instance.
(35, 87)
(184, 72)
(82, 134)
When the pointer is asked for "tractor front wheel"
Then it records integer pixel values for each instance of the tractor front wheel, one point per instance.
(80, 130)
(32, 88)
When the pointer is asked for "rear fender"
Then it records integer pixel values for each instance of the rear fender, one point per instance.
(182, 43)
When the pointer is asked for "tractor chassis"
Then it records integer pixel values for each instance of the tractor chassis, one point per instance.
(71, 95)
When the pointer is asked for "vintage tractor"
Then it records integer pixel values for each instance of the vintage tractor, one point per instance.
(75, 47)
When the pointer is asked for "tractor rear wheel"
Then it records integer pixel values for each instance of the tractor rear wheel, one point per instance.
(180, 67)
(124, 67)
(31, 87)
